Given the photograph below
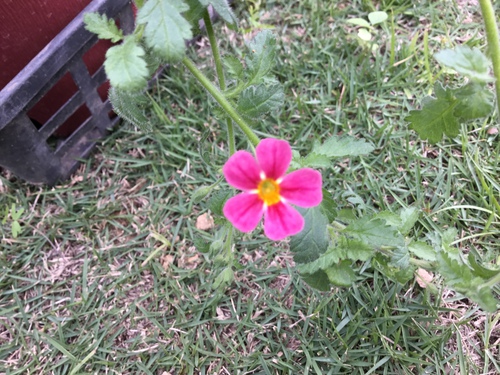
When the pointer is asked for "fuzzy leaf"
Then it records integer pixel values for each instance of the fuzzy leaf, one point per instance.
(470, 62)
(257, 100)
(409, 217)
(217, 200)
(374, 232)
(125, 66)
(325, 261)
(400, 258)
(356, 250)
(312, 241)
(262, 56)
(102, 26)
(234, 67)
(130, 106)
(436, 116)
(328, 206)
(165, 28)
(223, 9)
(475, 101)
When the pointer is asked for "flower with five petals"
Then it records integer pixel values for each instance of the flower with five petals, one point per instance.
(268, 191)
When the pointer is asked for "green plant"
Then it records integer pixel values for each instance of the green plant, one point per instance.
(13, 215)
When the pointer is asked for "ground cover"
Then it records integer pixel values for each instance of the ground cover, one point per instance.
(103, 276)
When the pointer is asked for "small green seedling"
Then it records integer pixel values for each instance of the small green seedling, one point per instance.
(14, 215)
(366, 27)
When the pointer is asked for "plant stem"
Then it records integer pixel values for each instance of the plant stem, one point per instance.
(493, 42)
(221, 99)
(220, 76)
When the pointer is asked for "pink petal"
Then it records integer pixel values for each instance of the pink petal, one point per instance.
(281, 220)
(242, 171)
(302, 187)
(274, 157)
(244, 211)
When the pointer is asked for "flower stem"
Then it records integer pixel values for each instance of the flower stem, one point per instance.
(493, 42)
(220, 76)
(221, 99)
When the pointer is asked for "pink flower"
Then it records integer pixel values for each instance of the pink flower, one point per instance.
(268, 191)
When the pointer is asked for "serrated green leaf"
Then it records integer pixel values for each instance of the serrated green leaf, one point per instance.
(194, 14)
(325, 261)
(223, 9)
(436, 116)
(257, 100)
(475, 101)
(397, 274)
(460, 278)
(315, 161)
(234, 67)
(102, 26)
(422, 250)
(359, 22)
(130, 106)
(262, 56)
(356, 250)
(224, 278)
(480, 270)
(377, 17)
(165, 28)
(312, 241)
(390, 218)
(470, 62)
(336, 147)
(341, 274)
(409, 216)
(400, 258)
(125, 65)
(217, 200)
(201, 193)
(375, 232)
(318, 280)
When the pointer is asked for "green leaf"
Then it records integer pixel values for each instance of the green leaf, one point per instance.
(480, 270)
(409, 216)
(336, 147)
(201, 193)
(15, 229)
(312, 241)
(475, 101)
(165, 29)
(217, 201)
(359, 22)
(262, 56)
(377, 17)
(364, 34)
(422, 250)
(326, 260)
(328, 206)
(436, 116)
(400, 258)
(356, 250)
(130, 106)
(125, 65)
(102, 26)
(375, 232)
(397, 274)
(318, 280)
(462, 279)
(202, 245)
(224, 278)
(341, 274)
(223, 9)
(390, 218)
(234, 67)
(257, 100)
(467, 61)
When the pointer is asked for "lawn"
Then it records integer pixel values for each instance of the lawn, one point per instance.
(103, 276)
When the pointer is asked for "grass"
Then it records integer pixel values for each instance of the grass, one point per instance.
(104, 276)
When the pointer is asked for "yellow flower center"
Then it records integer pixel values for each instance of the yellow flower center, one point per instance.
(269, 191)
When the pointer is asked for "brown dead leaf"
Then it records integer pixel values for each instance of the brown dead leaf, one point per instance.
(423, 278)
(166, 260)
(204, 222)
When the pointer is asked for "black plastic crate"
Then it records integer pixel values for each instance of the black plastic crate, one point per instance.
(28, 151)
